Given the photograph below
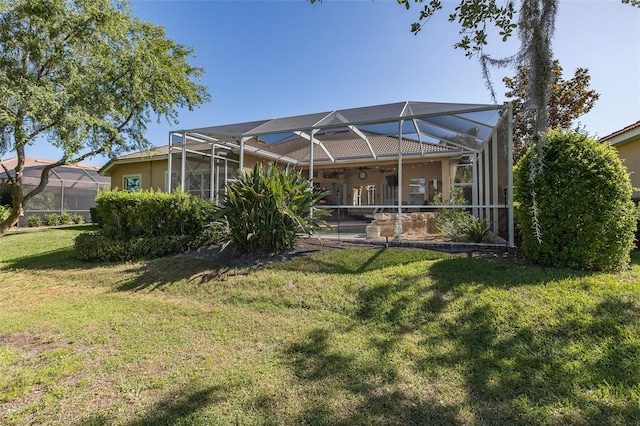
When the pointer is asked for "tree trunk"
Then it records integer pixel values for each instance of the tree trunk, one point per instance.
(17, 209)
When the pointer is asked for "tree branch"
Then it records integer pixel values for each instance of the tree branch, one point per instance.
(11, 178)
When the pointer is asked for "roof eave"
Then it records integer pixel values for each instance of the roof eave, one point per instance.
(106, 169)
(624, 137)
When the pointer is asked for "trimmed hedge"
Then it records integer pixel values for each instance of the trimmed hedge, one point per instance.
(127, 215)
(92, 246)
(146, 224)
(575, 204)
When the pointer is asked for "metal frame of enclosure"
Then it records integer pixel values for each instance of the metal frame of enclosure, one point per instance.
(468, 140)
(71, 189)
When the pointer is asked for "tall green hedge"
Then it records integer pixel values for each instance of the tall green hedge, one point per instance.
(146, 224)
(127, 215)
(575, 207)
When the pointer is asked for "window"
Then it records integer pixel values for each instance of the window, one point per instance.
(416, 191)
(132, 182)
(371, 194)
(464, 177)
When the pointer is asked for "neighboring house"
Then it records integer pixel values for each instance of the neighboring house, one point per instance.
(627, 142)
(71, 188)
(392, 158)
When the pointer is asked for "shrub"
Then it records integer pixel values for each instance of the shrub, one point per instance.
(66, 218)
(477, 229)
(267, 209)
(52, 219)
(146, 224)
(33, 221)
(77, 218)
(93, 213)
(575, 203)
(92, 246)
(5, 211)
(127, 215)
(453, 223)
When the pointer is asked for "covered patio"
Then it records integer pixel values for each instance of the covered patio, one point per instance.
(382, 165)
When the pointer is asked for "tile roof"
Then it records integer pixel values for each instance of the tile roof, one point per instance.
(11, 163)
(347, 146)
(620, 132)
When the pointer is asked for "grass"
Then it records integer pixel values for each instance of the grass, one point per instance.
(359, 336)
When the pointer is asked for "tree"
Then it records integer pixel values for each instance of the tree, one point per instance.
(568, 100)
(86, 76)
(535, 28)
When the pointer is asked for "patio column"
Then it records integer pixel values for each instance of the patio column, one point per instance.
(494, 175)
(312, 132)
(169, 165)
(510, 172)
(241, 165)
(212, 173)
(476, 187)
(183, 163)
(400, 181)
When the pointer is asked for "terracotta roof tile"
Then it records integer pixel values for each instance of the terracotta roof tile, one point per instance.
(348, 146)
(621, 131)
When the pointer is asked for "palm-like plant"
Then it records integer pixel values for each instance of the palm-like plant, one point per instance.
(267, 209)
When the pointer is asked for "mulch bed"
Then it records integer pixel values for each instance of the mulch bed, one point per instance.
(308, 245)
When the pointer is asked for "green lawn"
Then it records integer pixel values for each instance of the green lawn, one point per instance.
(360, 336)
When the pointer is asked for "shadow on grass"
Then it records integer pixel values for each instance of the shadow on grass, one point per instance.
(61, 259)
(357, 261)
(575, 362)
(40, 244)
(374, 385)
(157, 273)
(570, 370)
(177, 408)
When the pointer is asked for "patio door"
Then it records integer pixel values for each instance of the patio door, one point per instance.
(389, 194)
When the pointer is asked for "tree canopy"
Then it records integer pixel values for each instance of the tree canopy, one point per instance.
(534, 24)
(88, 77)
(567, 100)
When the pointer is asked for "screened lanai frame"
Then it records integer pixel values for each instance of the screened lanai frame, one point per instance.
(481, 133)
(70, 189)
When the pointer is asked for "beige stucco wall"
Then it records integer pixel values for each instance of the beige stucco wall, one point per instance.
(437, 169)
(629, 152)
(152, 174)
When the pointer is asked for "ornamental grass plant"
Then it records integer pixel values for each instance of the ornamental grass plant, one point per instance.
(266, 210)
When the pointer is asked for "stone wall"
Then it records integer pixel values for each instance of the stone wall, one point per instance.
(386, 224)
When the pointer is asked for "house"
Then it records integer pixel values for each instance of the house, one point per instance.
(145, 169)
(380, 162)
(627, 142)
(71, 188)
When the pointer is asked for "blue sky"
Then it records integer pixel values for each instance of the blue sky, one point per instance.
(267, 59)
